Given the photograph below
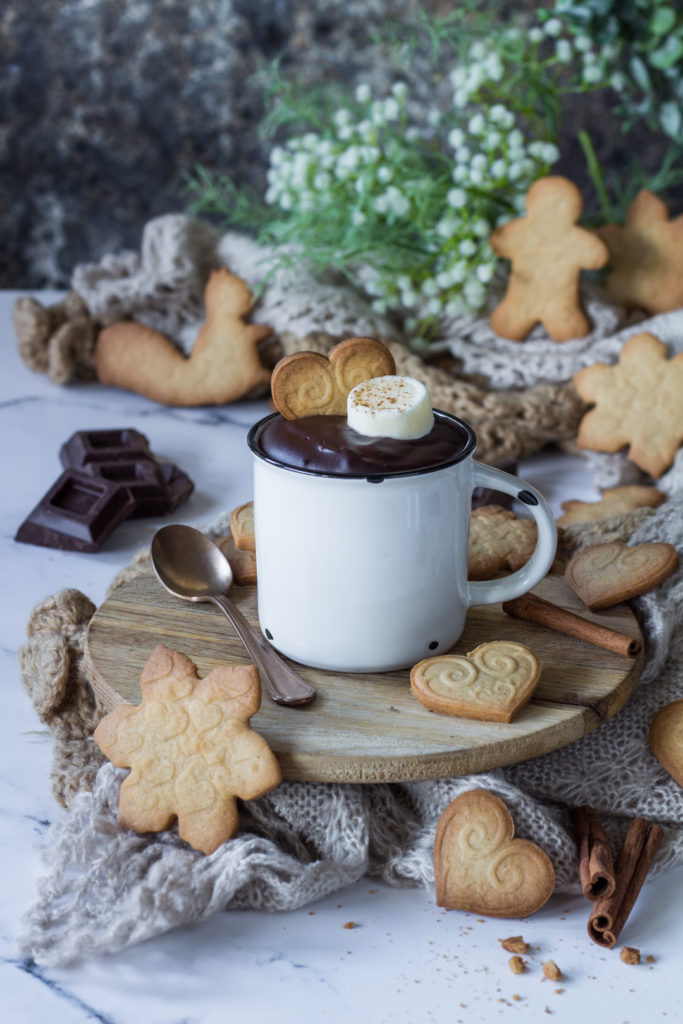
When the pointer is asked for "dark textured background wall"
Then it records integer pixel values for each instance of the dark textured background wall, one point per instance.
(104, 104)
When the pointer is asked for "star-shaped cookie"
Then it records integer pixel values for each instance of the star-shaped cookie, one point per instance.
(646, 256)
(190, 749)
(638, 402)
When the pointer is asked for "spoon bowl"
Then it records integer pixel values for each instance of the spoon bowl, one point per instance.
(190, 566)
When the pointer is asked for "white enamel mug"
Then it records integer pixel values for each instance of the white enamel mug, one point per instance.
(368, 574)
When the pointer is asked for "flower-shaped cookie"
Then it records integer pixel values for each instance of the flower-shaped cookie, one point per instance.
(646, 256)
(190, 749)
(638, 402)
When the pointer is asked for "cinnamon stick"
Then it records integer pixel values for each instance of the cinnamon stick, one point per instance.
(596, 868)
(635, 859)
(535, 609)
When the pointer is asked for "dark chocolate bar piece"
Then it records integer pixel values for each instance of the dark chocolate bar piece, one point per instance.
(88, 447)
(78, 513)
(158, 488)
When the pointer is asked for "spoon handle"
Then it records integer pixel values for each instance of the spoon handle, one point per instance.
(284, 685)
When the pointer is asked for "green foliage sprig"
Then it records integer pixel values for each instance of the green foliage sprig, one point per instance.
(402, 198)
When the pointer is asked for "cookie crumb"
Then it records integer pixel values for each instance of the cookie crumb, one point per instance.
(514, 944)
(552, 971)
(517, 998)
(559, 991)
(629, 955)
(350, 924)
(650, 959)
(517, 965)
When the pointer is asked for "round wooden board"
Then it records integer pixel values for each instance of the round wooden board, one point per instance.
(370, 728)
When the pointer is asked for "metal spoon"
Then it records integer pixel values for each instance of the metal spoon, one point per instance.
(190, 566)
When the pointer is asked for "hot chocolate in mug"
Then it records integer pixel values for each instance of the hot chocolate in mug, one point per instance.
(367, 572)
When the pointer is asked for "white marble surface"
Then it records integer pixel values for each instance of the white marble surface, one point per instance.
(406, 960)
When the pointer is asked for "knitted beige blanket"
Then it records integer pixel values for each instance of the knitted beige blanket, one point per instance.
(105, 887)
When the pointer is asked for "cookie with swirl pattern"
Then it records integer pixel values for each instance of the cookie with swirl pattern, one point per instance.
(311, 384)
(480, 867)
(606, 574)
(492, 683)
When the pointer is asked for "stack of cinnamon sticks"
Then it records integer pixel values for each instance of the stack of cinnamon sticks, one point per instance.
(612, 887)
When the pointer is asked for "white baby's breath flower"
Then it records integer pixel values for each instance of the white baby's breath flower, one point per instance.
(467, 247)
(397, 203)
(553, 27)
(345, 132)
(277, 155)
(493, 138)
(498, 113)
(342, 116)
(447, 227)
(550, 152)
(618, 80)
(358, 218)
(379, 306)
(583, 43)
(391, 109)
(460, 98)
(499, 168)
(433, 307)
(477, 124)
(458, 272)
(535, 34)
(462, 155)
(286, 201)
(456, 138)
(478, 50)
(384, 173)
(563, 50)
(515, 170)
(434, 117)
(460, 173)
(457, 197)
(516, 141)
(322, 181)
(363, 93)
(484, 272)
(476, 176)
(399, 89)
(409, 297)
(592, 75)
(494, 67)
(479, 162)
(481, 228)
(458, 77)
(429, 287)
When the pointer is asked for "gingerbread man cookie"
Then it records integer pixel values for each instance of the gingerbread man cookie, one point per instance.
(548, 251)
(637, 402)
(646, 256)
(190, 749)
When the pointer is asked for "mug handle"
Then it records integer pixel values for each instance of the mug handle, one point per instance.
(520, 582)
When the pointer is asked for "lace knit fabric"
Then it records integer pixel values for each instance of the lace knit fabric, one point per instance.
(106, 887)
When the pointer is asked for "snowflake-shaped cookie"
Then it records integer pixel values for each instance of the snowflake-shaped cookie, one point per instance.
(638, 402)
(190, 749)
(646, 256)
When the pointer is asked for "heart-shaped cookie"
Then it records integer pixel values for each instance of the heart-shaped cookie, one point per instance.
(492, 683)
(605, 574)
(479, 867)
(310, 384)
(666, 739)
